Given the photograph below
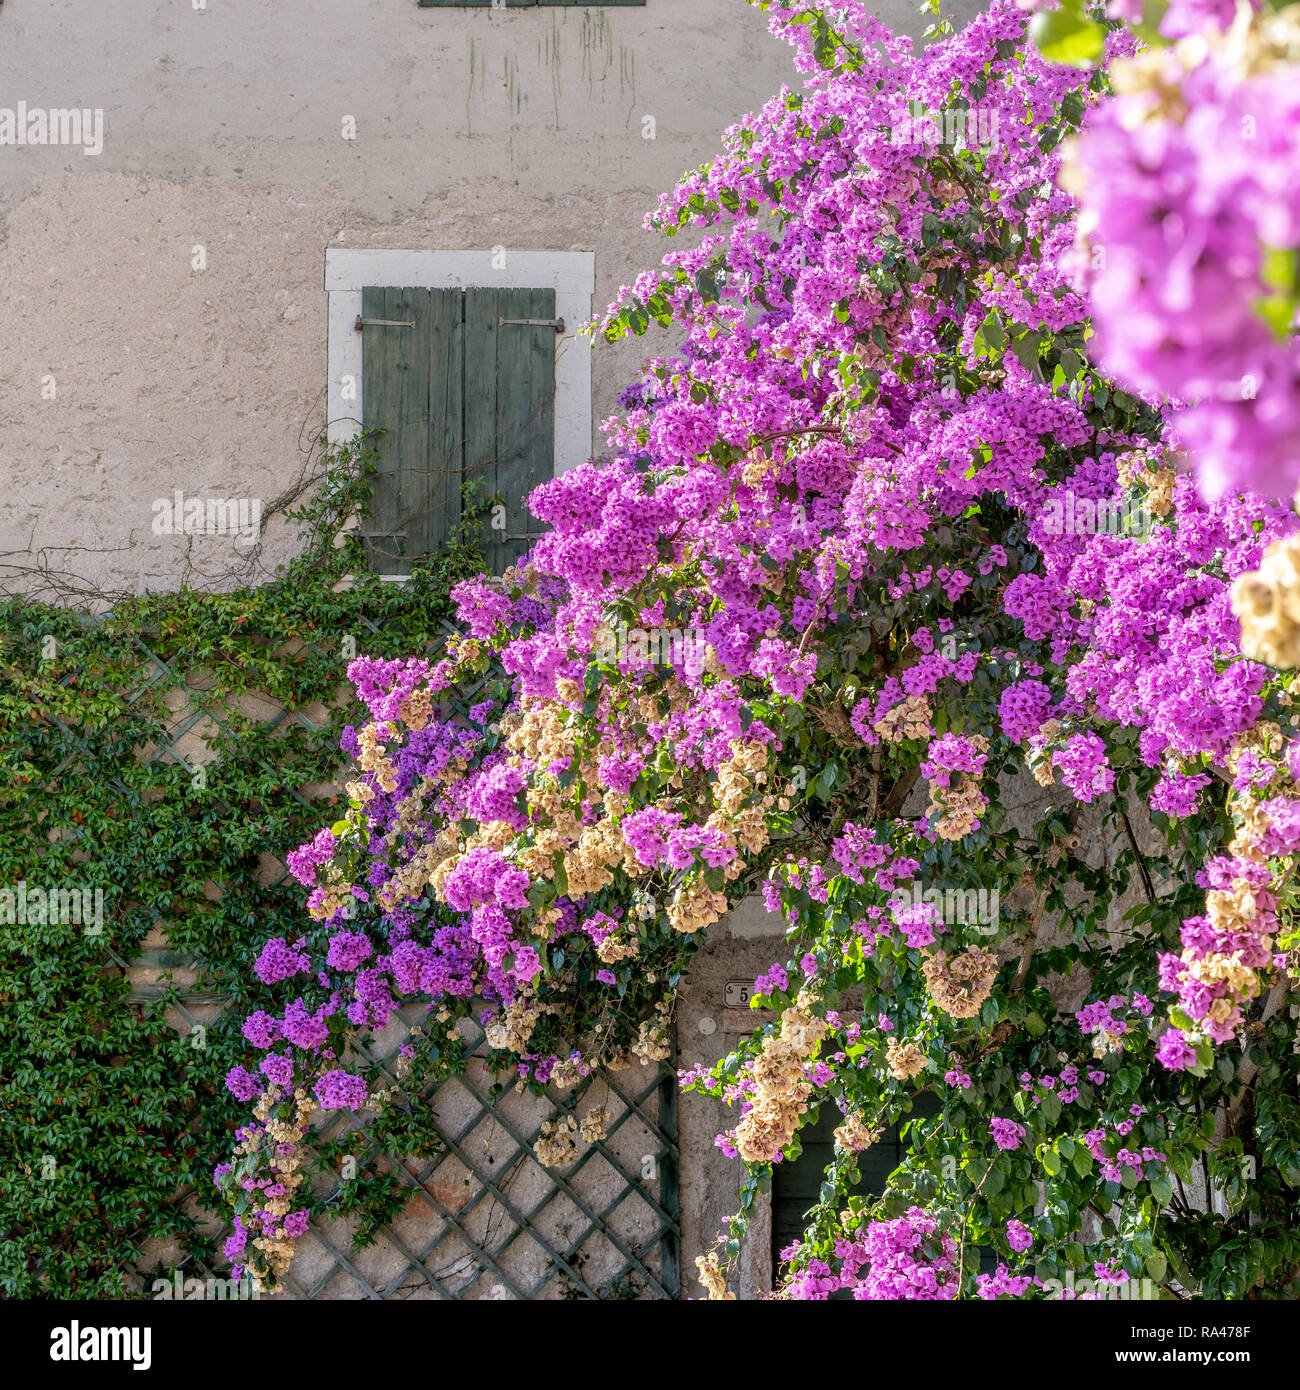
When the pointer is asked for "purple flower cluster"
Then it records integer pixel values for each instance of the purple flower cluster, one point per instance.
(1187, 208)
(278, 960)
(1083, 765)
(1007, 1134)
(304, 861)
(1023, 708)
(1019, 1236)
(339, 1090)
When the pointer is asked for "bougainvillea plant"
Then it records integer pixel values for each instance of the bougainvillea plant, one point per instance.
(898, 539)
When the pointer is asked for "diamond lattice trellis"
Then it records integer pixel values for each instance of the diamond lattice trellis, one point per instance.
(484, 1219)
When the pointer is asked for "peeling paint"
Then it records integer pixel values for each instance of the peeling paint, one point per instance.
(469, 93)
(551, 59)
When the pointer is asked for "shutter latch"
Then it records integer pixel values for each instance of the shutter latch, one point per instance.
(557, 324)
(382, 323)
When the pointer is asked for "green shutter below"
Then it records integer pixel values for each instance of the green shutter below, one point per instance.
(796, 1186)
(480, 433)
(525, 423)
(395, 376)
(446, 421)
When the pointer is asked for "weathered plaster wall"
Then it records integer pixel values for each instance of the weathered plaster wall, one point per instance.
(223, 128)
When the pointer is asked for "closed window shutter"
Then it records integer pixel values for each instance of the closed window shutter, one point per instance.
(796, 1186)
(462, 384)
(511, 440)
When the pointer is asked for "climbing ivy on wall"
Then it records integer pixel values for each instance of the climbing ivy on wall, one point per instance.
(111, 1115)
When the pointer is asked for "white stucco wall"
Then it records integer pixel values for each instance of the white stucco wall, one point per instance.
(125, 373)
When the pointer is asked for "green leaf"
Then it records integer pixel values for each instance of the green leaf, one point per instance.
(821, 785)
(990, 338)
(1027, 348)
(1072, 107)
(1065, 36)
(1279, 272)
(707, 284)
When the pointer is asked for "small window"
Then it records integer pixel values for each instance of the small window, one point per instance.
(462, 384)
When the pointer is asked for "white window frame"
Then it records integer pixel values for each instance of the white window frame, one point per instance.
(571, 274)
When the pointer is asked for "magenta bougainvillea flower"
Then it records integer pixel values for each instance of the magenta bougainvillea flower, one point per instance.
(896, 521)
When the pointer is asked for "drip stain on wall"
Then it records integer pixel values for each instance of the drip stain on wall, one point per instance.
(597, 46)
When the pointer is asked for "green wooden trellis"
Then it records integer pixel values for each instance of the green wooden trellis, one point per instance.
(530, 1239)
(605, 1225)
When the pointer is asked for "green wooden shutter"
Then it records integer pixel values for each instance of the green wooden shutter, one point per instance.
(411, 382)
(524, 340)
(796, 1186)
(446, 419)
(462, 383)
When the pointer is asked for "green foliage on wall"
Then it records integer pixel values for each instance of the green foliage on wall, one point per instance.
(110, 1114)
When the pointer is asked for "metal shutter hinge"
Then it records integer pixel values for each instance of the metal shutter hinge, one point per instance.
(557, 324)
(383, 323)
